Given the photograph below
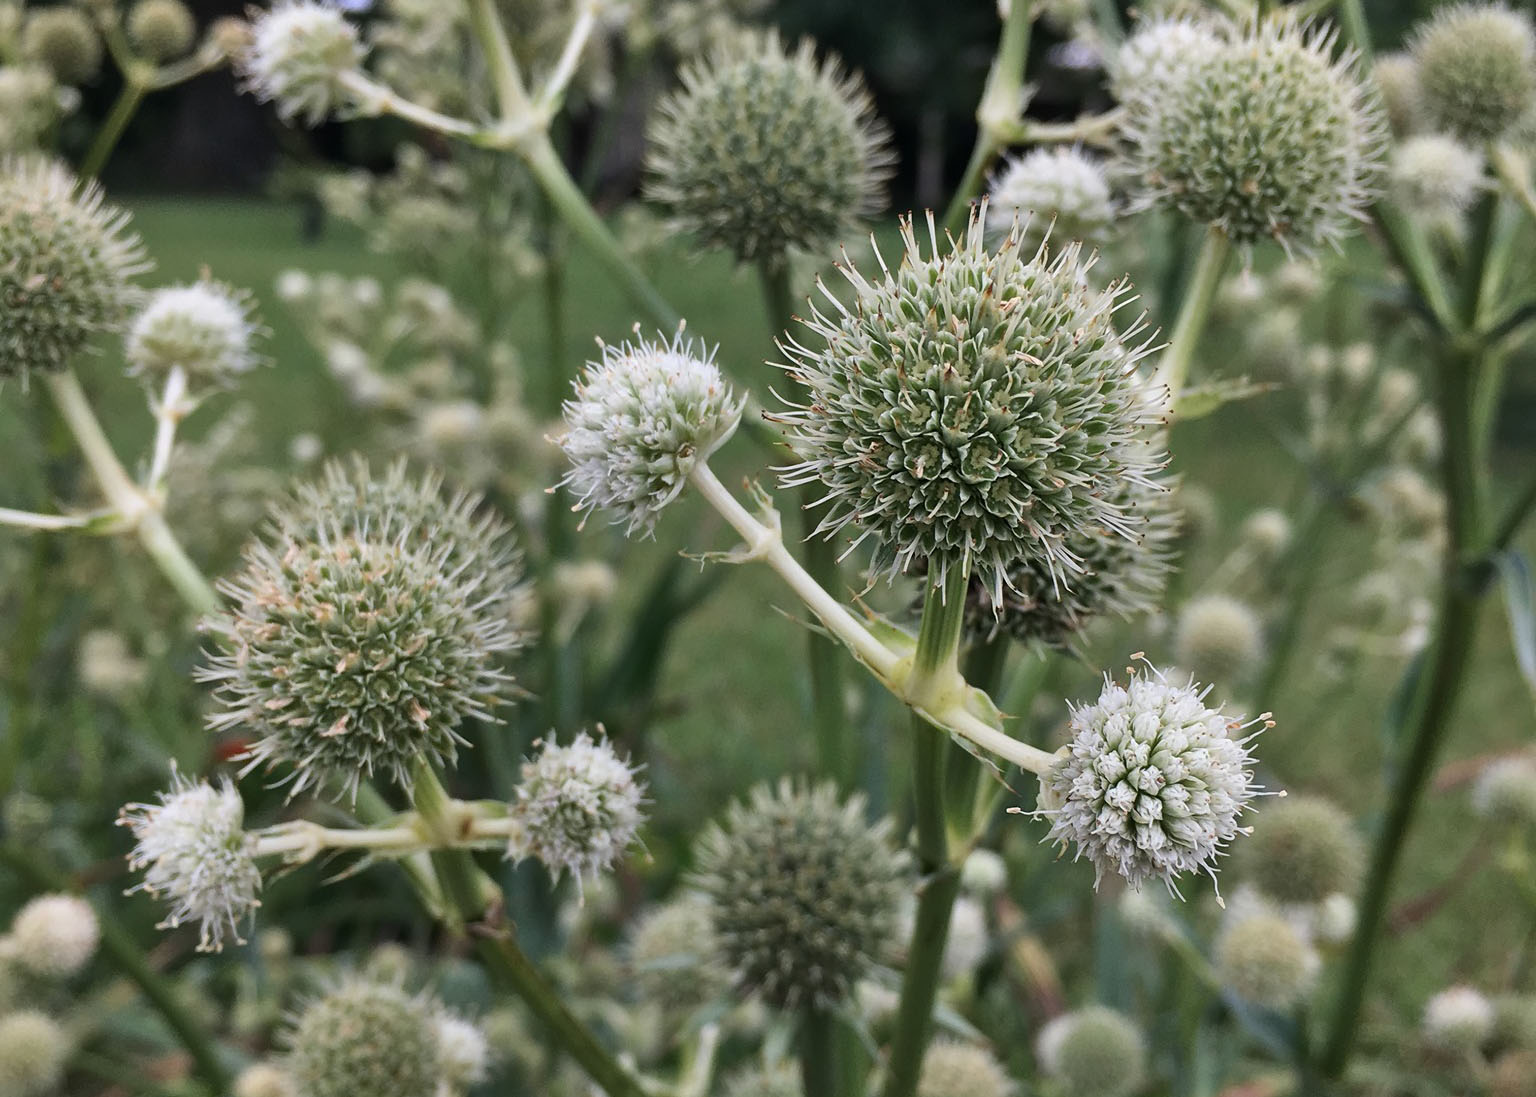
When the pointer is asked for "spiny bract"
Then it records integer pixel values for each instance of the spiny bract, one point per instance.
(975, 408)
(1477, 69)
(805, 892)
(299, 55)
(366, 1038)
(204, 329)
(577, 808)
(766, 150)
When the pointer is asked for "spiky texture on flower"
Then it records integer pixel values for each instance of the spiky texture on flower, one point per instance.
(1153, 783)
(1477, 69)
(1304, 849)
(364, 1037)
(1219, 637)
(577, 808)
(1505, 791)
(204, 328)
(1062, 193)
(766, 150)
(300, 53)
(780, 1080)
(463, 1051)
(195, 852)
(1094, 1052)
(1435, 176)
(805, 892)
(1266, 137)
(1157, 57)
(55, 936)
(1396, 76)
(66, 258)
(63, 38)
(1458, 1019)
(161, 30)
(642, 417)
(973, 407)
(954, 1069)
(675, 956)
(33, 1051)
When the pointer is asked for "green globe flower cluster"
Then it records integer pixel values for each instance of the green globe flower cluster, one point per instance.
(62, 38)
(674, 956)
(1093, 1052)
(298, 56)
(365, 1037)
(1263, 958)
(34, 1049)
(766, 150)
(161, 30)
(1304, 849)
(1476, 67)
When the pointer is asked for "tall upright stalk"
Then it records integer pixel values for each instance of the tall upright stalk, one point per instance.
(1199, 295)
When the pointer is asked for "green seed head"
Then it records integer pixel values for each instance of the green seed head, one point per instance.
(63, 38)
(366, 1038)
(1304, 849)
(1095, 1052)
(33, 1051)
(1263, 959)
(954, 1069)
(161, 30)
(1477, 69)
(674, 955)
(1219, 638)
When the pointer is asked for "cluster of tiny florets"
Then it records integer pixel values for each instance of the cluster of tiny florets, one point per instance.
(55, 936)
(1458, 1018)
(1153, 782)
(1304, 849)
(1476, 67)
(298, 56)
(577, 808)
(1093, 1052)
(641, 419)
(1265, 136)
(161, 30)
(1158, 57)
(955, 1069)
(975, 407)
(766, 150)
(1061, 193)
(1263, 958)
(66, 260)
(805, 892)
(195, 852)
(204, 329)
(366, 1037)
(62, 38)
(1435, 176)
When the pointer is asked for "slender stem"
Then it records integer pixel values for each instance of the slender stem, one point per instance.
(123, 110)
(818, 1053)
(565, 68)
(1357, 32)
(309, 840)
(511, 95)
(1303, 562)
(1199, 295)
(168, 415)
(936, 665)
(375, 97)
(1409, 247)
(26, 519)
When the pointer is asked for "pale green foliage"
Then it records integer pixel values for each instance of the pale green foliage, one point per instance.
(1477, 69)
(366, 1038)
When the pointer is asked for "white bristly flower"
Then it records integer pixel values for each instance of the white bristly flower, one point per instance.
(1435, 176)
(463, 1054)
(204, 328)
(298, 54)
(1061, 192)
(1458, 1019)
(196, 853)
(1154, 780)
(55, 936)
(1157, 55)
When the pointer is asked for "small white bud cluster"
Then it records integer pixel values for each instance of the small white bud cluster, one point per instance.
(1458, 1019)
(299, 53)
(1057, 194)
(55, 936)
(204, 329)
(1092, 1052)
(1435, 176)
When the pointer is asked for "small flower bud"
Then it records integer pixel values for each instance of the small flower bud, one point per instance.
(204, 329)
(1505, 791)
(577, 808)
(265, 1080)
(299, 54)
(33, 1052)
(1219, 638)
(954, 1069)
(161, 30)
(55, 936)
(366, 1038)
(63, 38)
(1263, 959)
(1334, 920)
(462, 1050)
(1435, 177)
(1458, 1019)
(1304, 849)
(984, 873)
(1094, 1052)
(1267, 532)
(674, 955)
(1477, 69)
(1061, 194)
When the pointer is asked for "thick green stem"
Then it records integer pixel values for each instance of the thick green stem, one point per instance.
(123, 110)
(818, 1053)
(1195, 310)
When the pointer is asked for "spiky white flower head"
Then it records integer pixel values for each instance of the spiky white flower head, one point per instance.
(299, 56)
(34, 1049)
(1477, 69)
(55, 936)
(62, 37)
(975, 407)
(1153, 782)
(968, 941)
(1458, 1019)
(204, 328)
(463, 1052)
(161, 30)
(577, 808)
(1157, 56)
(1062, 193)
(66, 260)
(984, 873)
(1093, 1052)
(366, 1037)
(1264, 959)
(1506, 790)
(1268, 136)
(765, 150)
(955, 1069)
(641, 418)
(195, 852)
(1435, 176)
(265, 1080)
(1219, 637)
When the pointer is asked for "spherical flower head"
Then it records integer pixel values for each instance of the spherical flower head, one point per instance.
(641, 419)
(1158, 57)
(1265, 960)
(195, 853)
(805, 892)
(1219, 637)
(1153, 782)
(161, 30)
(1458, 1019)
(55, 936)
(366, 1037)
(984, 873)
(1094, 1052)
(462, 1050)
(1268, 136)
(300, 55)
(766, 150)
(66, 259)
(1304, 849)
(204, 329)
(1061, 194)
(674, 955)
(1477, 69)
(577, 808)
(972, 407)
(1505, 791)
(954, 1069)
(265, 1080)
(33, 1051)
(63, 38)
(1267, 533)
(1435, 176)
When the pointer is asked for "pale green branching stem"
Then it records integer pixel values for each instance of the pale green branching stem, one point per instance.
(1173, 370)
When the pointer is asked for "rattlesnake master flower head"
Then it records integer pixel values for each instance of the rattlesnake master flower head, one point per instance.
(1303, 849)
(66, 258)
(1153, 782)
(195, 853)
(63, 38)
(1505, 791)
(463, 1051)
(1093, 1052)
(641, 418)
(1458, 1019)
(1396, 76)
(298, 57)
(55, 936)
(766, 150)
(1063, 193)
(161, 30)
(356, 652)
(1219, 637)
(204, 328)
(365, 1037)
(577, 808)
(1158, 56)
(1268, 136)
(975, 407)
(1263, 959)
(1435, 176)
(805, 892)
(954, 1069)
(34, 1049)
(674, 956)
(1477, 69)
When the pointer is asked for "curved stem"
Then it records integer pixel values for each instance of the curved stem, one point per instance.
(1199, 295)
(123, 110)
(511, 94)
